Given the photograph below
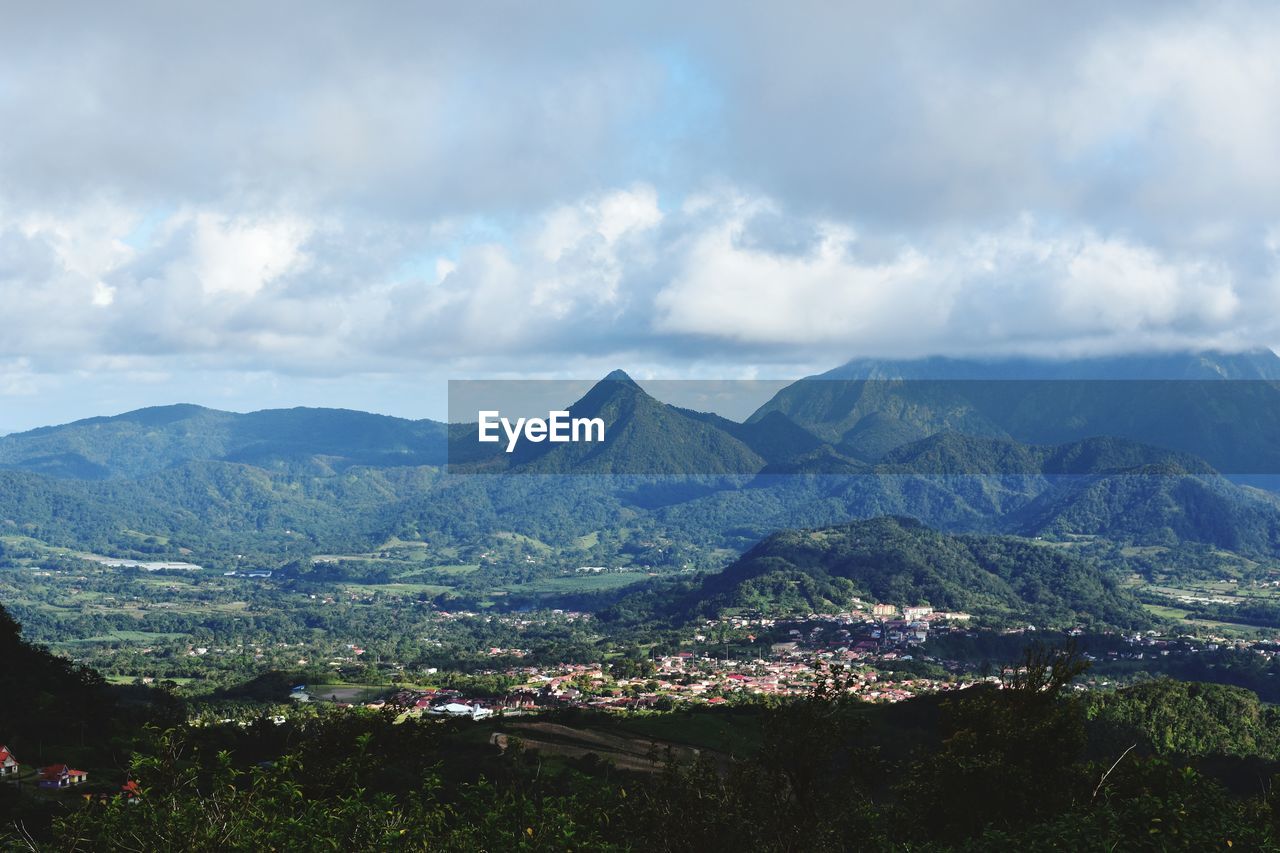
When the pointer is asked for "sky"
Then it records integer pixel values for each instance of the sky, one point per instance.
(251, 205)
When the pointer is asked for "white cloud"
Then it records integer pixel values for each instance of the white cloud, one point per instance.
(1018, 287)
(423, 188)
(239, 256)
(17, 378)
(103, 294)
(727, 273)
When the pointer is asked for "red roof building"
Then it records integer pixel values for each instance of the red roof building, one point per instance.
(61, 776)
(8, 764)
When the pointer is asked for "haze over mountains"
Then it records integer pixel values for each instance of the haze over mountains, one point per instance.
(867, 407)
(1121, 453)
(150, 440)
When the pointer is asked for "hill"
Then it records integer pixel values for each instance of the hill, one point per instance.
(1154, 504)
(45, 695)
(973, 484)
(902, 562)
(145, 441)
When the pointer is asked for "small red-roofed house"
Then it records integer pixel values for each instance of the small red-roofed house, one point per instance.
(61, 776)
(8, 764)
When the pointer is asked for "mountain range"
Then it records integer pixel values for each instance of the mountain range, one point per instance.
(146, 441)
(1013, 447)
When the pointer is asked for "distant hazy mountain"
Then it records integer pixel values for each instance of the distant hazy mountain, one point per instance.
(150, 440)
(974, 455)
(1210, 364)
(867, 408)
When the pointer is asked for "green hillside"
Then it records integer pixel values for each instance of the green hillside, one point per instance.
(150, 440)
(902, 562)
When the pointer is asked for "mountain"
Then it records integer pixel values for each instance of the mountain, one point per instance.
(154, 439)
(1155, 504)
(950, 454)
(158, 480)
(1257, 364)
(902, 562)
(212, 506)
(973, 484)
(643, 437)
(1182, 402)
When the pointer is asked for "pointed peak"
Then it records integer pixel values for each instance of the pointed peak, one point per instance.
(618, 375)
(616, 386)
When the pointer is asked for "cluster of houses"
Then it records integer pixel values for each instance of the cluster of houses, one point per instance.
(54, 776)
(451, 703)
(59, 777)
(862, 637)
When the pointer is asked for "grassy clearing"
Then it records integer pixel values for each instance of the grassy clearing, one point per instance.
(398, 589)
(129, 637)
(454, 569)
(578, 583)
(348, 692)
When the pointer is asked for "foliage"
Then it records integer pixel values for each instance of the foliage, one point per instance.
(900, 561)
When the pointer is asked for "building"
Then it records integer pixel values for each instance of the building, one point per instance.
(913, 614)
(457, 709)
(8, 764)
(61, 776)
(884, 611)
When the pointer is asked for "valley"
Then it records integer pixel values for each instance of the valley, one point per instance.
(690, 596)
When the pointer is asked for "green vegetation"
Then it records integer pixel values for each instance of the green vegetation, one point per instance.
(1033, 766)
(330, 549)
(901, 562)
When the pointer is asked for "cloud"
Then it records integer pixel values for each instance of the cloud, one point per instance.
(610, 275)
(1021, 287)
(16, 378)
(241, 257)
(1157, 114)
(317, 192)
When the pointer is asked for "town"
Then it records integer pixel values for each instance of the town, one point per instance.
(882, 649)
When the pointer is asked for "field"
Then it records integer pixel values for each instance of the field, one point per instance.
(132, 621)
(1182, 601)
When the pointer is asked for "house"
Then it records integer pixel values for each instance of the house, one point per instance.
(8, 764)
(457, 709)
(61, 776)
